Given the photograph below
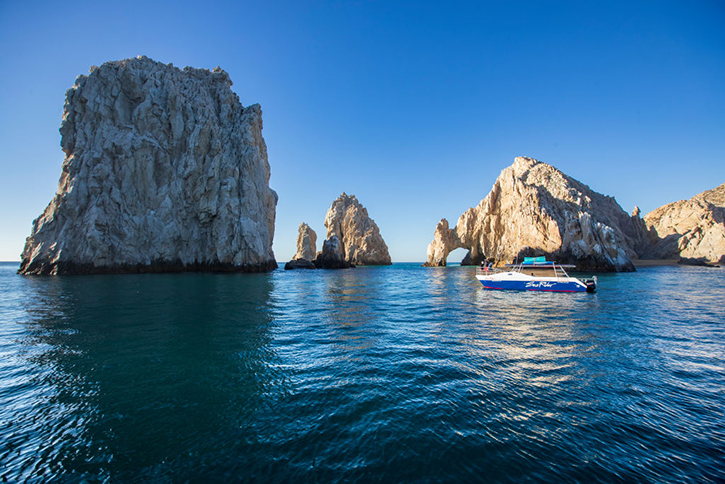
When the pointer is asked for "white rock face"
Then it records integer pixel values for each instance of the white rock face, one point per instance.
(534, 209)
(306, 243)
(164, 170)
(358, 235)
(691, 229)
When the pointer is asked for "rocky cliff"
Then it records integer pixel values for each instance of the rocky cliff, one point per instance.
(164, 170)
(535, 209)
(693, 229)
(354, 237)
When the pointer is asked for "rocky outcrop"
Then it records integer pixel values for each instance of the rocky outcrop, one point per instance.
(693, 230)
(306, 248)
(332, 255)
(306, 242)
(535, 209)
(299, 264)
(358, 240)
(164, 170)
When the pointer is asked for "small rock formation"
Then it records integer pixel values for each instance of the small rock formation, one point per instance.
(299, 264)
(306, 243)
(693, 229)
(352, 236)
(306, 249)
(332, 255)
(535, 209)
(164, 170)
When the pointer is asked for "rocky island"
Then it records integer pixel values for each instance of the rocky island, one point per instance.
(164, 170)
(693, 230)
(353, 239)
(535, 209)
(306, 249)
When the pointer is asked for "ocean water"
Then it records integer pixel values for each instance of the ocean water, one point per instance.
(378, 374)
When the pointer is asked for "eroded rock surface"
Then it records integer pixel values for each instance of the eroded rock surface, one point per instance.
(306, 242)
(306, 249)
(535, 209)
(332, 255)
(693, 229)
(164, 170)
(358, 237)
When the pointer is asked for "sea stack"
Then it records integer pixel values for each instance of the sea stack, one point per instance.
(306, 249)
(164, 170)
(535, 209)
(353, 238)
(691, 230)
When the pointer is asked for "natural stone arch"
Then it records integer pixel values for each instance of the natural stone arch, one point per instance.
(535, 208)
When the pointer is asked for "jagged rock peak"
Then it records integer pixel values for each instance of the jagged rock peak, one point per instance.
(358, 235)
(535, 209)
(306, 243)
(693, 230)
(164, 170)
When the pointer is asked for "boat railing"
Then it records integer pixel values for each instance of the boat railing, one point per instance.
(487, 270)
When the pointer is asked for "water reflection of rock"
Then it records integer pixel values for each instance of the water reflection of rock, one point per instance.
(141, 370)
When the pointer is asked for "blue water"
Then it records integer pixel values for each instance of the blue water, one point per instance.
(390, 374)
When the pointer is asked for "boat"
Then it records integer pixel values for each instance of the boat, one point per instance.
(534, 274)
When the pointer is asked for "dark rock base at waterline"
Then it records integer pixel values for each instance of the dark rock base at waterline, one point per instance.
(299, 264)
(72, 268)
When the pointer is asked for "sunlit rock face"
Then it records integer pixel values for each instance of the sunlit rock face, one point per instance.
(164, 170)
(306, 243)
(306, 248)
(358, 237)
(535, 209)
(693, 229)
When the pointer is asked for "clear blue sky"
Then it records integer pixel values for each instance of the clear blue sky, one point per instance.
(415, 107)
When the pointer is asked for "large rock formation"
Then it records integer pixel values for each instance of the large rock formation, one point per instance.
(164, 170)
(693, 229)
(358, 238)
(534, 209)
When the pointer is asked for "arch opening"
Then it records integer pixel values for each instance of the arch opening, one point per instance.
(456, 256)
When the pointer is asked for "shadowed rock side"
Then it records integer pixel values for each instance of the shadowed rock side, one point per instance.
(164, 170)
(358, 238)
(306, 249)
(332, 255)
(534, 209)
(693, 229)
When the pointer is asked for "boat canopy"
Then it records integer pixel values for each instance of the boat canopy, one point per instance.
(539, 262)
(536, 261)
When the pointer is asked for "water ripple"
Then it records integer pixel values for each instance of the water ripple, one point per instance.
(375, 374)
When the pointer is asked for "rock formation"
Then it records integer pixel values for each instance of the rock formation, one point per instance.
(299, 264)
(535, 209)
(306, 249)
(164, 170)
(332, 255)
(358, 240)
(693, 229)
(306, 242)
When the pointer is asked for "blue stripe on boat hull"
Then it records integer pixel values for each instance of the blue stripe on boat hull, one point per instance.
(534, 286)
